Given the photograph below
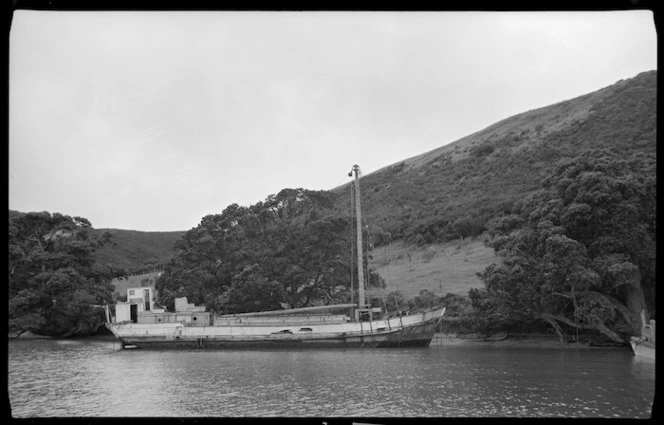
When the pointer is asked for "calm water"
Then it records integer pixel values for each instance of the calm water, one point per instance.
(95, 378)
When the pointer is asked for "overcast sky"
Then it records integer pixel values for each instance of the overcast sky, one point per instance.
(152, 120)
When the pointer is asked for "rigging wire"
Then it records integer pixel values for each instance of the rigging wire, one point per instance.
(382, 225)
(340, 183)
(354, 186)
(383, 211)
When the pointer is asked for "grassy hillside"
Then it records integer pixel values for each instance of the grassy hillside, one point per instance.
(133, 250)
(138, 251)
(425, 204)
(448, 267)
(455, 190)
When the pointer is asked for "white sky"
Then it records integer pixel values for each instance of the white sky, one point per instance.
(152, 120)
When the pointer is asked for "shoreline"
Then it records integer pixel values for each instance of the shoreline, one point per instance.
(501, 340)
(26, 335)
(518, 340)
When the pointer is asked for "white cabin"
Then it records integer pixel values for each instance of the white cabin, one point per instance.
(139, 308)
(139, 300)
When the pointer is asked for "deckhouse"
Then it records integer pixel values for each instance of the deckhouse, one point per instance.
(139, 300)
(140, 308)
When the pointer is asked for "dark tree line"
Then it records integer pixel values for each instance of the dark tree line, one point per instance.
(581, 253)
(55, 284)
(289, 251)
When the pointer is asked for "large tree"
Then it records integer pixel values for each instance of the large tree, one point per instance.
(586, 255)
(290, 250)
(55, 283)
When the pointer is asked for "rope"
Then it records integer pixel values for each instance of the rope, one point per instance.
(383, 224)
(387, 313)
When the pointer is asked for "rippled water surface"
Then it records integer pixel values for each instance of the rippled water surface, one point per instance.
(96, 378)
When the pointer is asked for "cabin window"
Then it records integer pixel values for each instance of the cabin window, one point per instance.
(131, 292)
(195, 318)
(305, 330)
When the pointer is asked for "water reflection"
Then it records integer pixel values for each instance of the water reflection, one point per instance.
(96, 378)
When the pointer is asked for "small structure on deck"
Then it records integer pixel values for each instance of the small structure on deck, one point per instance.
(185, 313)
(140, 308)
(139, 300)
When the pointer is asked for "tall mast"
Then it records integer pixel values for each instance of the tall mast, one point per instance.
(360, 263)
(352, 244)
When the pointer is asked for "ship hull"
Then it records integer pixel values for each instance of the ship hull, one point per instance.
(413, 331)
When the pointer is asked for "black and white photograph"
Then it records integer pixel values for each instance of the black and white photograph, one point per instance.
(332, 215)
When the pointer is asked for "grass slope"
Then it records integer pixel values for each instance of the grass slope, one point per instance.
(414, 204)
(448, 267)
(135, 250)
(433, 197)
